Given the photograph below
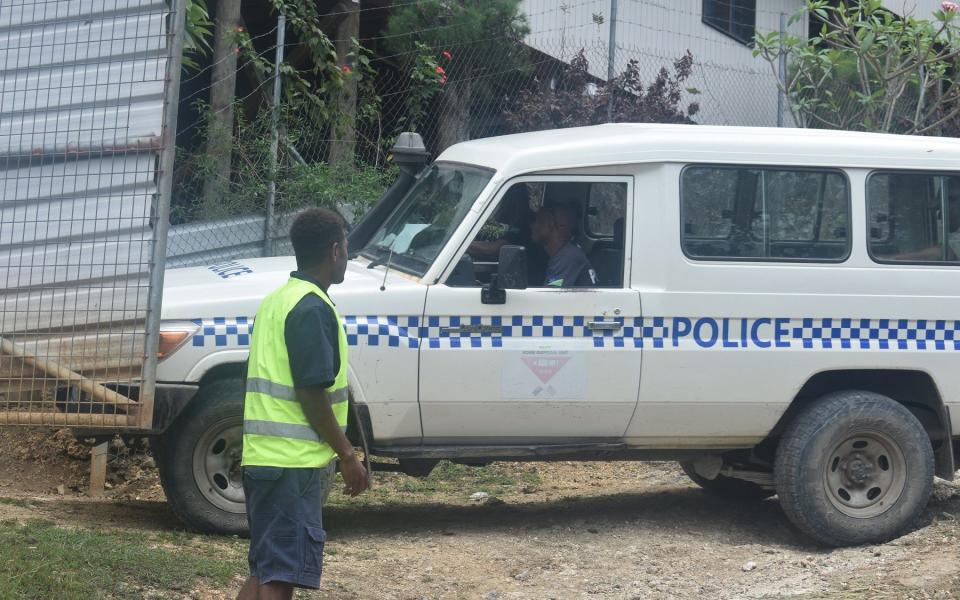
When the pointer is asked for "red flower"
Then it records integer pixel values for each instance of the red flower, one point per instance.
(346, 69)
(239, 29)
(443, 80)
(447, 55)
(440, 70)
(236, 50)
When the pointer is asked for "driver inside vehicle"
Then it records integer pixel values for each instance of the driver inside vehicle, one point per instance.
(554, 230)
(511, 224)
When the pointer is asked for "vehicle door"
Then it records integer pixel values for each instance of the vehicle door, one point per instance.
(547, 363)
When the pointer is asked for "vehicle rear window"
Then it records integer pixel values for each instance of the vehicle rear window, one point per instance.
(765, 213)
(914, 217)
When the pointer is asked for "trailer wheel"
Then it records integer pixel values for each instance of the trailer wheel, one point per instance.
(854, 468)
(199, 460)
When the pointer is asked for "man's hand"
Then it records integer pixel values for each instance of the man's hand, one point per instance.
(316, 406)
(355, 479)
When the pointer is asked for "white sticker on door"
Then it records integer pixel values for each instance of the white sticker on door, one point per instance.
(544, 375)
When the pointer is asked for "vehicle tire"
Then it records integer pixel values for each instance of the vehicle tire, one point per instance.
(199, 460)
(727, 487)
(854, 468)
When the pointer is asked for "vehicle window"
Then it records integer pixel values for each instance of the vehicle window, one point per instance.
(573, 233)
(606, 204)
(914, 217)
(764, 213)
(414, 233)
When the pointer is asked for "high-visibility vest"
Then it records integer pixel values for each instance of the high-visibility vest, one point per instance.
(276, 433)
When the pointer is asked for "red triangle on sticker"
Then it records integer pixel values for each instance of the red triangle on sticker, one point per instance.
(545, 367)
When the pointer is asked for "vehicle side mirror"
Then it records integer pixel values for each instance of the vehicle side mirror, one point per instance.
(511, 275)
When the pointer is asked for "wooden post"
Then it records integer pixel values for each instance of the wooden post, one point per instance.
(98, 470)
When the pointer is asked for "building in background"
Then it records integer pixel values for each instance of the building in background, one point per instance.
(735, 87)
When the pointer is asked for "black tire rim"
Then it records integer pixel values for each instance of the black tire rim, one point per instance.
(216, 465)
(865, 474)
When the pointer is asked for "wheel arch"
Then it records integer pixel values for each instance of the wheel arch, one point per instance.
(916, 390)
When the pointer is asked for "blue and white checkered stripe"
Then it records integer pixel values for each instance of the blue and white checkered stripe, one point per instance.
(881, 334)
(394, 332)
(440, 332)
(223, 331)
(638, 332)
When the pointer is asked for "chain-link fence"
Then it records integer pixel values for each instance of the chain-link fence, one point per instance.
(83, 93)
(554, 65)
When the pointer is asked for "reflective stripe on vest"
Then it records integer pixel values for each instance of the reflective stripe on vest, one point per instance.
(276, 433)
(285, 392)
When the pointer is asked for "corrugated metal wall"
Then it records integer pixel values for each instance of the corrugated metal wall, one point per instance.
(82, 87)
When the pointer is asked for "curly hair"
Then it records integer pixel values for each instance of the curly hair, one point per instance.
(313, 233)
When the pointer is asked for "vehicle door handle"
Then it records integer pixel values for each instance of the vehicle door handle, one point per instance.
(605, 325)
(481, 329)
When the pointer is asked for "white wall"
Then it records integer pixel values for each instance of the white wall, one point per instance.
(921, 9)
(737, 89)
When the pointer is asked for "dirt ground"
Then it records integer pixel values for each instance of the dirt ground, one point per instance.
(584, 530)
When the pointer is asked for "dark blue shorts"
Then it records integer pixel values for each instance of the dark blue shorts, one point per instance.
(286, 524)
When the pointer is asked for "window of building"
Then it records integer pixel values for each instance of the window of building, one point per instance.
(765, 213)
(736, 18)
(914, 217)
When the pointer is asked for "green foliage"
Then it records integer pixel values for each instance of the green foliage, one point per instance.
(494, 30)
(427, 76)
(41, 560)
(298, 185)
(870, 70)
(482, 38)
(320, 184)
(199, 30)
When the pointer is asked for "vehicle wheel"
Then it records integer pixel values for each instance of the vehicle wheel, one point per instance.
(854, 468)
(727, 487)
(199, 460)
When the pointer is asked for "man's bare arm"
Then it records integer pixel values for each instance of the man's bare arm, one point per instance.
(318, 409)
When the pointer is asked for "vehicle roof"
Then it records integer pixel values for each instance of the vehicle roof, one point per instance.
(624, 143)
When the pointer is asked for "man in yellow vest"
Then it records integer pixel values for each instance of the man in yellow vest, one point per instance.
(295, 414)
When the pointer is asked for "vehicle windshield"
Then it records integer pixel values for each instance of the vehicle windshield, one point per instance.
(427, 217)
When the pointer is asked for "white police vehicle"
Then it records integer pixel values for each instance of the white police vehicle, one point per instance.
(775, 309)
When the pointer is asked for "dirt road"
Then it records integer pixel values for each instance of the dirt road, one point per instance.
(566, 530)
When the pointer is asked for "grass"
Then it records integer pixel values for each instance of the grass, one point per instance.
(447, 481)
(21, 502)
(41, 560)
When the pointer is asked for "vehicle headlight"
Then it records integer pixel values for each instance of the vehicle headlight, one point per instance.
(172, 337)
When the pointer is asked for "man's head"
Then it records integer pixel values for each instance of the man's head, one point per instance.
(320, 244)
(554, 226)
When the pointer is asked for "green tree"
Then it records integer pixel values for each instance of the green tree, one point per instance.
(870, 70)
(484, 39)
